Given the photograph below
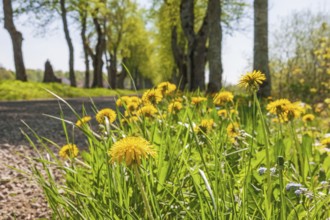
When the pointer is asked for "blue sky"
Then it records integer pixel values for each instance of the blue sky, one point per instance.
(237, 48)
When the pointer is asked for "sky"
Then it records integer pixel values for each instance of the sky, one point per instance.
(236, 54)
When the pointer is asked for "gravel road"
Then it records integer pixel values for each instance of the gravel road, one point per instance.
(33, 113)
(20, 196)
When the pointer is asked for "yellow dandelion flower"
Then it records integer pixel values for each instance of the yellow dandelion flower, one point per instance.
(197, 100)
(178, 99)
(69, 151)
(206, 125)
(278, 107)
(325, 146)
(222, 113)
(308, 118)
(326, 142)
(319, 107)
(132, 106)
(313, 90)
(223, 97)
(135, 99)
(131, 150)
(233, 130)
(166, 88)
(174, 107)
(147, 111)
(122, 101)
(83, 121)
(252, 81)
(233, 112)
(284, 109)
(106, 112)
(293, 110)
(152, 96)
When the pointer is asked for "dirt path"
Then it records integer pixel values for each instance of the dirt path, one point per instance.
(20, 196)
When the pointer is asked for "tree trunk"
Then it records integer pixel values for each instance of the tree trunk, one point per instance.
(260, 50)
(123, 74)
(69, 42)
(16, 38)
(180, 59)
(113, 69)
(187, 22)
(83, 17)
(214, 50)
(199, 56)
(196, 51)
(49, 75)
(97, 61)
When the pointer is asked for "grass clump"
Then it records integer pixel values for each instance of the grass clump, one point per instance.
(11, 90)
(173, 155)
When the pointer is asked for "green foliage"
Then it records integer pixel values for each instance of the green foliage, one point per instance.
(6, 74)
(17, 90)
(300, 60)
(204, 168)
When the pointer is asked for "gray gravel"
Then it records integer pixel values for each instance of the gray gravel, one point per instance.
(33, 113)
(20, 196)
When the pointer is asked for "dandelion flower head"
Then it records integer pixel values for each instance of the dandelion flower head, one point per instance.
(131, 150)
(135, 99)
(152, 96)
(174, 107)
(223, 97)
(252, 81)
(284, 109)
(166, 88)
(69, 151)
(122, 101)
(147, 111)
(197, 100)
(325, 146)
(83, 121)
(132, 107)
(308, 118)
(278, 107)
(233, 130)
(222, 113)
(207, 125)
(294, 110)
(326, 142)
(106, 112)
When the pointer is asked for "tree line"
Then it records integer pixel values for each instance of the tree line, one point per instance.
(174, 40)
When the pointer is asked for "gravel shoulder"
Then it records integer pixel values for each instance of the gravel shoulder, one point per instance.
(20, 196)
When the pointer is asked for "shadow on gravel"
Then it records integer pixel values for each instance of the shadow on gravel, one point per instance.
(32, 113)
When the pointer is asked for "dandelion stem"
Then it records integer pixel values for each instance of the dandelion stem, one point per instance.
(280, 162)
(143, 192)
(269, 183)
